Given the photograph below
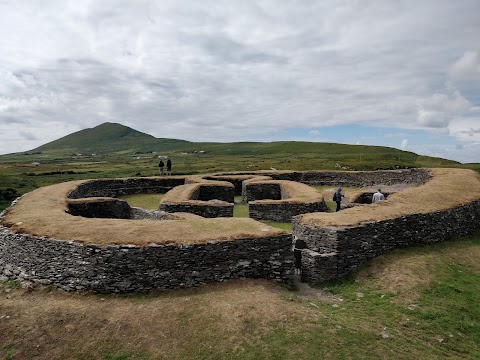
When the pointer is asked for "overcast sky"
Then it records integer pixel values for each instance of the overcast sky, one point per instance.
(404, 74)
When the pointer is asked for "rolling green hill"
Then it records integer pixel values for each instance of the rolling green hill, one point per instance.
(109, 137)
(116, 138)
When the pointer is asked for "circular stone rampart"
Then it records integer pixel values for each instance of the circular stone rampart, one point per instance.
(208, 199)
(40, 241)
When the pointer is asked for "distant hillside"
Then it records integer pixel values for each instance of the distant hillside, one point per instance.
(109, 137)
(115, 138)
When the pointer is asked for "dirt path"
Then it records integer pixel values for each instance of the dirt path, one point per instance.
(306, 292)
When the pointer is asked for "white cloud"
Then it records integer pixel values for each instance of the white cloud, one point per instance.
(467, 66)
(466, 129)
(314, 133)
(466, 153)
(404, 144)
(432, 119)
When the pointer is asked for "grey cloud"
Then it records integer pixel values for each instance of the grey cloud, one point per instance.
(197, 70)
(471, 132)
(467, 66)
(433, 119)
(8, 120)
(27, 135)
(228, 50)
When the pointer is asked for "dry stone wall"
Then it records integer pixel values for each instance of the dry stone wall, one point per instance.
(128, 186)
(282, 211)
(208, 209)
(236, 180)
(211, 192)
(204, 199)
(128, 268)
(100, 208)
(273, 202)
(414, 177)
(336, 251)
(260, 191)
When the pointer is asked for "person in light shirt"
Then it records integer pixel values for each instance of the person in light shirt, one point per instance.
(378, 196)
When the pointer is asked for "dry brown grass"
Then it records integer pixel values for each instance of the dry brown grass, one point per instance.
(53, 325)
(42, 213)
(181, 193)
(448, 188)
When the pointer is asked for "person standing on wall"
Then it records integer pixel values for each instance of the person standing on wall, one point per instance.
(169, 167)
(378, 196)
(160, 167)
(337, 197)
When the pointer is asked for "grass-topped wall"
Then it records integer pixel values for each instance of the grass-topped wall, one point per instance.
(280, 200)
(41, 241)
(438, 210)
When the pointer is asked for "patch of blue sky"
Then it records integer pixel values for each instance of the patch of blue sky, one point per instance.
(366, 135)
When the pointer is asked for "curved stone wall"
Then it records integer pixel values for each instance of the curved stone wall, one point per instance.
(128, 186)
(438, 210)
(335, 251)
(99, 208)
(210, 199)
(128, 268)
(413, 177)
(116, 255)
(280, 200)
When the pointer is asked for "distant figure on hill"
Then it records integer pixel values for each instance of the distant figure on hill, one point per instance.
(378, 196)
(160, 167)
(337, 197)
(169, 167)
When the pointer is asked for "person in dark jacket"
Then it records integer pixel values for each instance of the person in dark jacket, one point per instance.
(160, 167)
(337, 197)
(297, 253)
(169, 167)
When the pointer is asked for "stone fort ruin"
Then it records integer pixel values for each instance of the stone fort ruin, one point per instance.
(80, 236)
